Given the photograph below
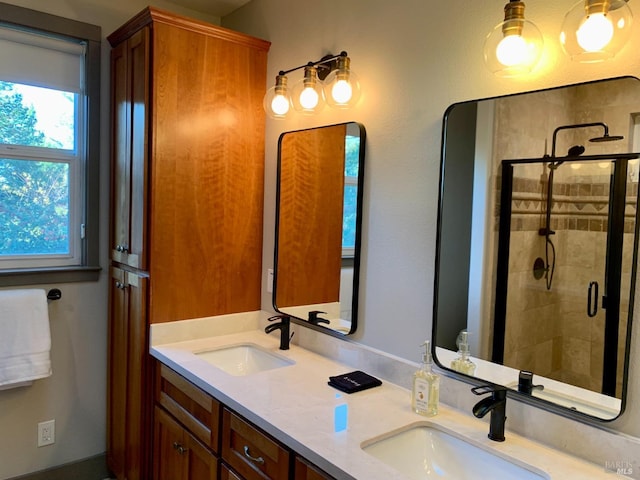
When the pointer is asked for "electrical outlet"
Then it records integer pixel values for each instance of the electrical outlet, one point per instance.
(270, 280)
(46, 433)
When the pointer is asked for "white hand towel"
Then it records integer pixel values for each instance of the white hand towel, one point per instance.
(25, 337)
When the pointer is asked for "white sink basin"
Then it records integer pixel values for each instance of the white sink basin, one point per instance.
(243, 359)
(424, 451)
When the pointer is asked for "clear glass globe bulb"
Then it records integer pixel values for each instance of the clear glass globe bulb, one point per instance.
(309, 98)
(280, 105)
(512, 50)
(342, 91)
(595, 32)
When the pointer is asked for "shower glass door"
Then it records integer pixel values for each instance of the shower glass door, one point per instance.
(566, 242)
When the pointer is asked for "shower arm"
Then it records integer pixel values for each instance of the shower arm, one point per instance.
(577, 125)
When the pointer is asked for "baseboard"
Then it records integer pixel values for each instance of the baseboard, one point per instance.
(93, 468)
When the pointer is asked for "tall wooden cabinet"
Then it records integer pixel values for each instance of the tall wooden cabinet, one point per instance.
(187, 199)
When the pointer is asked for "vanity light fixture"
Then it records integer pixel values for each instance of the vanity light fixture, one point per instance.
(596, 30)
(329, 80)
(514, 46)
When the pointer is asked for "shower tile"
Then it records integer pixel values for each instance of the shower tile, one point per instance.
(582, 224)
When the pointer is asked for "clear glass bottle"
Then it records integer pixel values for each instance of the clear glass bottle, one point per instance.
(462, 363)
(426, 386)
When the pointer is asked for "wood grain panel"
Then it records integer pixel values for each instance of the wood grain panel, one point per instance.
(207, 176)
(310, 216)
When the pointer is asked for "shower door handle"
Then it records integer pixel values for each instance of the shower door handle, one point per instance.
(592, 294)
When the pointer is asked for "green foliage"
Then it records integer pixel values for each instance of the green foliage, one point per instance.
(17, 122)
(34, 195)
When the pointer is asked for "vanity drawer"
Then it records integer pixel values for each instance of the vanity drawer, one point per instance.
(198, 411)
(251, 452)
(305, 471)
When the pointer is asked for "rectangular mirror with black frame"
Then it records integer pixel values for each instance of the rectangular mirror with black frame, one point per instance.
(537, 242)
(318, 226)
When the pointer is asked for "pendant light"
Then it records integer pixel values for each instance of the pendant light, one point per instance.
(596, 30)
(514, 46)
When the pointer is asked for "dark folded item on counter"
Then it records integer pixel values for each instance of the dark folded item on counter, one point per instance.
(354, 382)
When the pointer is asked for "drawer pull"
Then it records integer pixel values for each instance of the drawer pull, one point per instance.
(181, 450)
(258, 460)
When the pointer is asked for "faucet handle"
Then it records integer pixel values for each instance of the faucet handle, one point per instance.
(284, 318)
(497, 391)
(313, 317)
(525, 382)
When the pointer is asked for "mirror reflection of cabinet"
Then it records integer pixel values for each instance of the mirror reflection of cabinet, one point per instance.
(523, 294)
(318, 218)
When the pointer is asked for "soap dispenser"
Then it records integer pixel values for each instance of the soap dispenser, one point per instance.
(426, 386)
(462, 363)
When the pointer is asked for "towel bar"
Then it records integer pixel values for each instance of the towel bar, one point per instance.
(54, 294)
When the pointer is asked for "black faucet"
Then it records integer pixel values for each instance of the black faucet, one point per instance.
(495, 404)
(525, 382)
(313, 317)
(283, 326)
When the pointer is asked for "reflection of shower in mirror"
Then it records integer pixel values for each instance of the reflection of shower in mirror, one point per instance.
(574, 151)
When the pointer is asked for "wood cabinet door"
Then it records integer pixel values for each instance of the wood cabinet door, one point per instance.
(177, 455)
(130, 97)
(169, 460)
(201, 463)
(128, 392)
(207, 174)
(117, 375)
(226, 474)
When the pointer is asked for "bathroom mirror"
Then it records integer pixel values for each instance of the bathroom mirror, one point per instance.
(318, 218)
(537, 242)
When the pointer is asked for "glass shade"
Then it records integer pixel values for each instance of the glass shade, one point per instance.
(307, 96)
(276, 101)
(596, 30)
(342, 87)
(513, 48)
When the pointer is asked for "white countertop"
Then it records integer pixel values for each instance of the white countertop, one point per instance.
(295, 405)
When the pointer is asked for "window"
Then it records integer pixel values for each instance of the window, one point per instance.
(350, 211)
(49, 94)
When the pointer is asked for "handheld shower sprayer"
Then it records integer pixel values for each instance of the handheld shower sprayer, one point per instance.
(554, 163)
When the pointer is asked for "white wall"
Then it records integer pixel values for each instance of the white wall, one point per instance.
(75, 396)
(414, 58)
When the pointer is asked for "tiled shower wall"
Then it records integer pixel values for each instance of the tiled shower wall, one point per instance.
(548, 331)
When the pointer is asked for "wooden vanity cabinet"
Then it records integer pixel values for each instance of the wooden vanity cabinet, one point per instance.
(198, 438)
(186, 198)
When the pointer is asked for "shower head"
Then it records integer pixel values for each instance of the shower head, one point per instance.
(606, 138)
